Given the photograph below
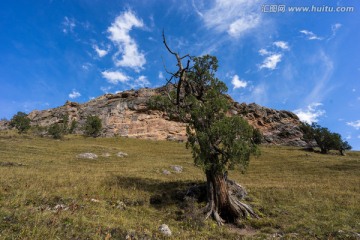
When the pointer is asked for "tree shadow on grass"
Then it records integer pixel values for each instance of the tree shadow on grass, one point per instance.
(163, 193)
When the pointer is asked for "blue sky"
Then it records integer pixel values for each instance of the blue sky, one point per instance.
(306, 61)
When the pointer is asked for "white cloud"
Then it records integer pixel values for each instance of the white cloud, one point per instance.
(74, 94)
(238, 83)
(233, 17)
(127, 47)
(264, 52)
(281, 44)
(100, 52)
(271, 61)
(141, 81)
(68, 25)
(238, 27)
(310, 35)
(355, 124)
(161, 75)
(115, 77)
(311, 113)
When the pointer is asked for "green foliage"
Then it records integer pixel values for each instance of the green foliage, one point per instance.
(56, 130)
(345, 146)
(73, 126)
(65, 124)
(324, 138)
(218, 142)
(21, 122)
(92, 126)
(257, 136)
(40, 131)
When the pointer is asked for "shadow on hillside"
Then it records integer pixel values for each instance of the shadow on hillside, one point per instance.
(162, 193)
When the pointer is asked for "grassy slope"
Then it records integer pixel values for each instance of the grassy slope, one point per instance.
(299, 194)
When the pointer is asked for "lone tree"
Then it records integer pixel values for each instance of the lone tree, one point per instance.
(218, 141)
(92, 126)
(21, 122)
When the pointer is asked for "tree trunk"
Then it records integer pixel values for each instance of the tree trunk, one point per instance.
(342, 152)
(224, 197)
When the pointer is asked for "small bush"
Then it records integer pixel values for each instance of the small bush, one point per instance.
(56, 131)
(39, 130)
(93, 126)
(257, 136)
(73, 126)
(21, 122)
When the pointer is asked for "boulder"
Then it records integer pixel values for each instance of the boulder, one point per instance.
(87, 155)
(165, 230)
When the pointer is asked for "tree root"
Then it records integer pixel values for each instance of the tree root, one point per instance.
(236, 208)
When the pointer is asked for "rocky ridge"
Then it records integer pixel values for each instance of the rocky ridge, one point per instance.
(126, 114)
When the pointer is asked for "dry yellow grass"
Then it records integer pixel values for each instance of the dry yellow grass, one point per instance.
(298, 194)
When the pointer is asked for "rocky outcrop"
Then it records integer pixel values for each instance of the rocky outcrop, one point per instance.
(126, 114)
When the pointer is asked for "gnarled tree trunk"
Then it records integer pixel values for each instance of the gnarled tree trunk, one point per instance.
(224, 197)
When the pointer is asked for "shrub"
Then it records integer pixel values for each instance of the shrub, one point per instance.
(21, 122)
(65, 124)
(92, 126)
(257, 136)
(73, 126)
(56, 131)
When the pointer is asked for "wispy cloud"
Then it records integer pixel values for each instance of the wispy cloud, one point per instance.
(141, 81)
(74, 94)
(161, 75)
(271, 61)
(100, 52)
(128, 51)
(355, 124)
(115, 77)
(334, 29)
(259, 94)
(310, 35)
(232, 17)
(237, 82)
(68, 25)
(281, 44)
(311, 113)
(264, 52)
(322, 75)
(86, 66)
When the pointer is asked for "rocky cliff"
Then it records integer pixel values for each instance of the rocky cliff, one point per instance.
(126, 114)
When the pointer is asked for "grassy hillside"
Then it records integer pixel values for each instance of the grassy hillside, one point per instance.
(47, 192)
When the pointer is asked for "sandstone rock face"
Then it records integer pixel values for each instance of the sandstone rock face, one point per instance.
(126, 114)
